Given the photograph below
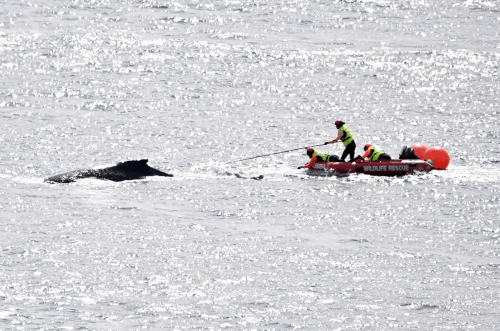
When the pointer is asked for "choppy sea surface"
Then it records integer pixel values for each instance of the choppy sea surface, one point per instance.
(194, 85)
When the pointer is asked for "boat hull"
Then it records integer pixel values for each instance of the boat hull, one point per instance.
(376, 168)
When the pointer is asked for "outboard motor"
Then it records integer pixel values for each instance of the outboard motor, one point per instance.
(407, 153)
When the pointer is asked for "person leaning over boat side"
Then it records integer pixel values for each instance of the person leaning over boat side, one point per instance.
(344, 135)
(318, 157)
(373, 155)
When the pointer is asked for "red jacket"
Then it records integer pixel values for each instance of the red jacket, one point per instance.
(312, 161)
(367, 153)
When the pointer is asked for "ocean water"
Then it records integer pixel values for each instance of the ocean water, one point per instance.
(194, 85)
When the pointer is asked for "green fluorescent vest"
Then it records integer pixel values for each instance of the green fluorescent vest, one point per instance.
(325, 157)
(348, 137)
(375, 154)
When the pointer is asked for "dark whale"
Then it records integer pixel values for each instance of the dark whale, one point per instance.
(127, 170)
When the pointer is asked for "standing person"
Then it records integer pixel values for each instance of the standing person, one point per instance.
(346, 137)
(318, 157)
(373, 155)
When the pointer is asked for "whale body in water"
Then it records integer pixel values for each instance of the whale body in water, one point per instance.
(127, 170)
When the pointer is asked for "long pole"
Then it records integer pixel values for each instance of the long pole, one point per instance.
(290, 150)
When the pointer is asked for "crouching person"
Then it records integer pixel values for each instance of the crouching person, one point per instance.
(318, 157)
(374, 155)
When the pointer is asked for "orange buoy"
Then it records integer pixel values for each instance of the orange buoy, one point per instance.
(439, 156)
(419, 150)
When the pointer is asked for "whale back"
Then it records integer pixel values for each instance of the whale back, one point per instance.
(128, 170)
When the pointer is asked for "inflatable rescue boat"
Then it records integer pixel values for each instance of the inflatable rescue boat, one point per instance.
(374, 168)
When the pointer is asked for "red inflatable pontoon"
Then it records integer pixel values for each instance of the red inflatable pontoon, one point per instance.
(375, 168)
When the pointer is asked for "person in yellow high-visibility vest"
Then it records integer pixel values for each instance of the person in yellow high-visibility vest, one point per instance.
(373, 155)
(318, 157)
(344, 135)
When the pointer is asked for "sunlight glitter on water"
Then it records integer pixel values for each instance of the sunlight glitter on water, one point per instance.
(193, 86)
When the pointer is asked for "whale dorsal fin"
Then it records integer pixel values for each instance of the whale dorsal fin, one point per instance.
(143, 161)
